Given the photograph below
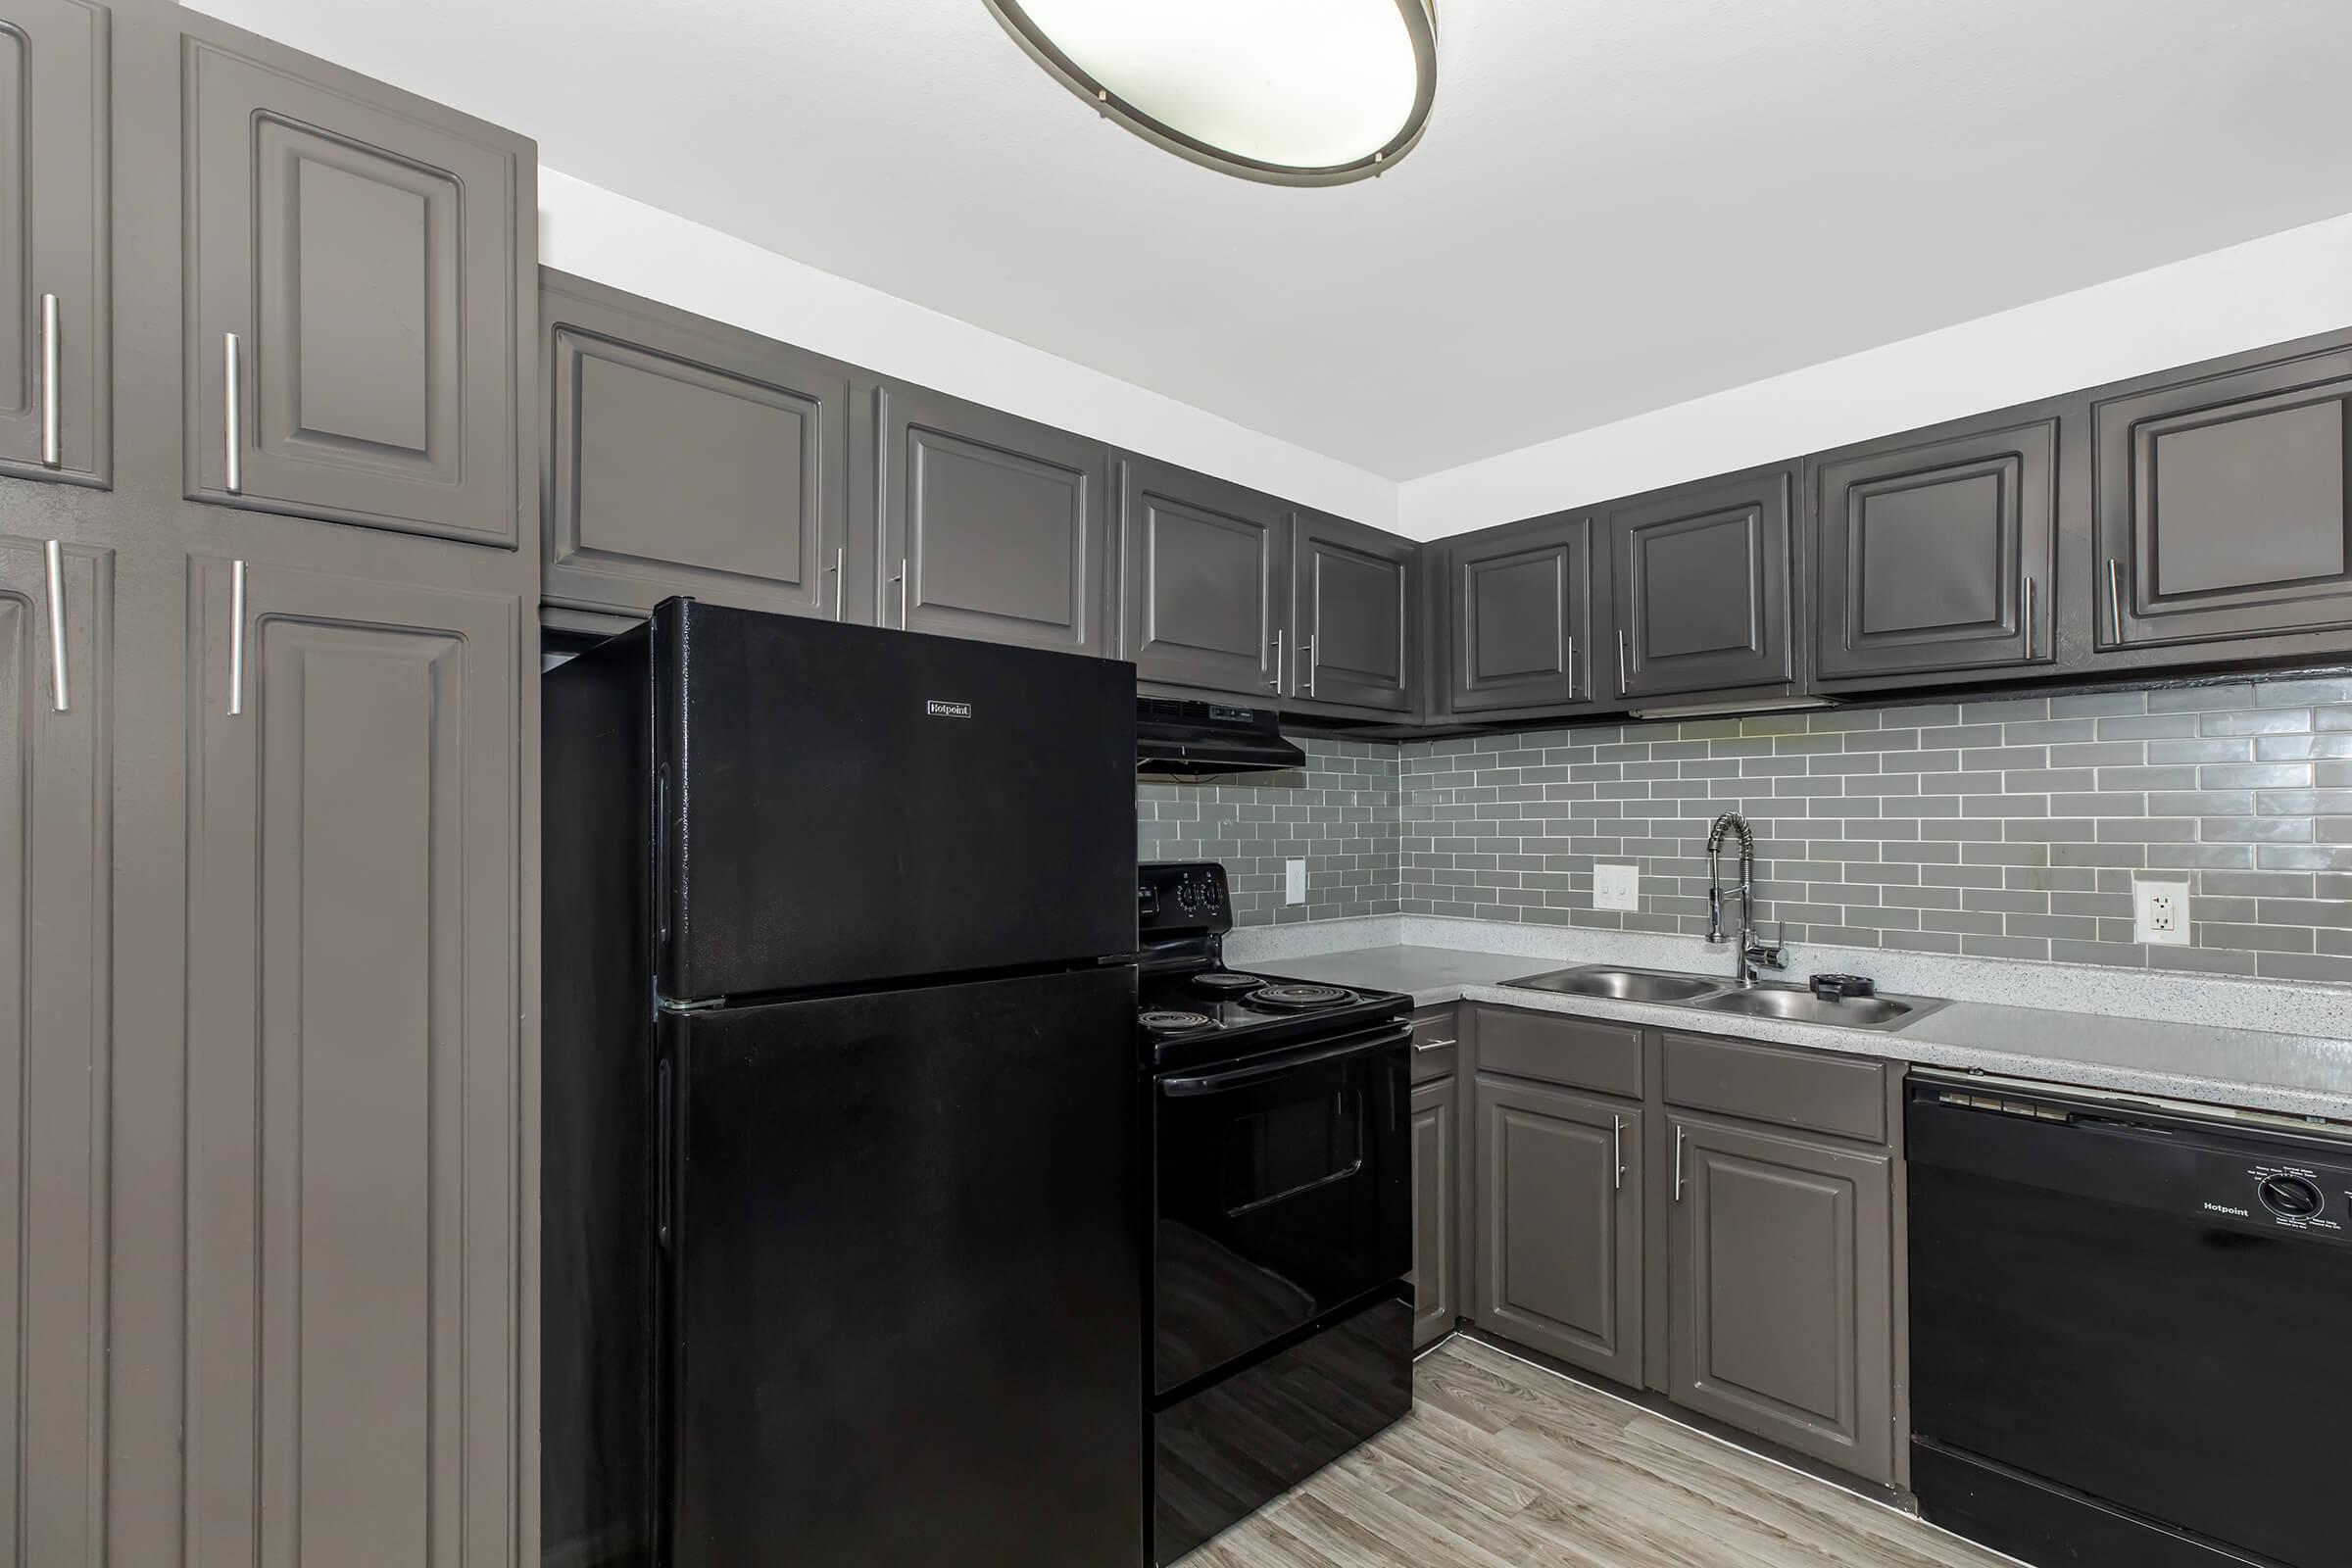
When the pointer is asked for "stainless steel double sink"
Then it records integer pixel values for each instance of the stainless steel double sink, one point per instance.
(1777, 1000)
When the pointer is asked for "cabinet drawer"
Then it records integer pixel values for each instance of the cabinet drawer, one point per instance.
(1555, 1049)
(1436, 1049)
(1840, 1094)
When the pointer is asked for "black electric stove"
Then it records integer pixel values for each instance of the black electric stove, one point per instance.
(1281, 1218)
(1192, 1009)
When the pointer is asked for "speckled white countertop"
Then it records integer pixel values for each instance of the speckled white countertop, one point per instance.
(2212, 1055)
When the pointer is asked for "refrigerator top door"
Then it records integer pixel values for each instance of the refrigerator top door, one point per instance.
(839, 806)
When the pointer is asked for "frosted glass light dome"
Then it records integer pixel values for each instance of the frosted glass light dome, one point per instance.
(1306, 92)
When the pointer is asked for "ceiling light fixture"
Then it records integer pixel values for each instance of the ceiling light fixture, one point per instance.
(1294, 92)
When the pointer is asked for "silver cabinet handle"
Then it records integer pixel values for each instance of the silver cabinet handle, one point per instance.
(1310, 664)
(838, 580)
(236, 639)
(233, 437)
(1623, 688)
(1678, 1135)
(52, 435)
(2028, 614)
(1434, 1045)
(901, 580)
(1617, 1151)
(2115, 598)
(57, 626)
(1276, 681)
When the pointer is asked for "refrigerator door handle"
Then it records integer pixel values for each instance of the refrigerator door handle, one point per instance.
(661, 1148)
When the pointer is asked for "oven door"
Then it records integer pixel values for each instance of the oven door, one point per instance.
(1283, 1193)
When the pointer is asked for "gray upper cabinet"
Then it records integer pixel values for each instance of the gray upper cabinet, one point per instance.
(1779, 1271)
(1559, 1227)
(55, 1057)
(1701, 582)
(1203, 567)
(56, 368)
(354, 1181)
(1437, 1237)
(360, 277)
(992, 526)
(2221, 504)
(1936, 551)
(1518, 616)
(687, 456)
(1354, 616)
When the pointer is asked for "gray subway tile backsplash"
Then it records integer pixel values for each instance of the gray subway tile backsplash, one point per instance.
(2010, 828)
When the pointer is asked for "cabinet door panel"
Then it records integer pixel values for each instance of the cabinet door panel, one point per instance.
(1352, 611)
(1207, 597)
(1437, 1238)
(1701, 575)
(1559, 1225)
(353, 1064)
(1923, 551)
(2222, 507)
(55, 1051)
(686, 457)
(1522, 616)
(368, 250)
(992, 526)
(54, 211)
(1781, 1277)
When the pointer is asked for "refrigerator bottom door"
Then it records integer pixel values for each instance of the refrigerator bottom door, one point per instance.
(903, 1299)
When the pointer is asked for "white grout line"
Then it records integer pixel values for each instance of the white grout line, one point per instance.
(1718, 1437)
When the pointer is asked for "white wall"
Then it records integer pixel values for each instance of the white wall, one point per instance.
(589, 230)
(2265, 291)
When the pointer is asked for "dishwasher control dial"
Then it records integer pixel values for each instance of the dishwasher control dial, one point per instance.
(2291, 1197)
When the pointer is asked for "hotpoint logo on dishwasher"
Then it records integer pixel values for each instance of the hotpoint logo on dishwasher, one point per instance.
(935, 708)
(2223, 1208)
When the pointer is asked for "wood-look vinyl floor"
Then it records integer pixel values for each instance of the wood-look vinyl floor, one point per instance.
(1505, 1465)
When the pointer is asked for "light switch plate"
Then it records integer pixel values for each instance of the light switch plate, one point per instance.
(1293, 881)
(1616, 886)
(2160, 914)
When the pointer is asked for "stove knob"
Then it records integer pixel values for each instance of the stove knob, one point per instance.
(1184, 894)
(1210, 895)
(2291, 1198)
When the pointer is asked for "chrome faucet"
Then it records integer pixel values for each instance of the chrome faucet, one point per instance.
(1753, 954)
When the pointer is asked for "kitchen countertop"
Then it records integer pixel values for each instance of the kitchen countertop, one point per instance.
(2296, 1074)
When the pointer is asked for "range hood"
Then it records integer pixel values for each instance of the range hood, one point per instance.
(1203, 740)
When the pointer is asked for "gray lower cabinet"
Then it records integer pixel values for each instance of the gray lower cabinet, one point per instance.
(1355, 616)
(1559, 1223)
(360, 283)
(1519, 616)
(688, 456)
(1779, 1273)
(1700, 579)
(992, 526)
(1204, 565)
(354, 1181)
(56, 366)
(1936, 552)
(2223, 505)
(1437, 1192)
(56, 747)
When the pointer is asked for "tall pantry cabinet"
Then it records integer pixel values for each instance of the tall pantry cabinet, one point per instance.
(268, 720)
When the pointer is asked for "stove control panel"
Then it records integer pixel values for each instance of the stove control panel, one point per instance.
(1182, 896)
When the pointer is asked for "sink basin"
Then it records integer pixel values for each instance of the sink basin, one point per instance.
(1621, 985)
(1797, 1005)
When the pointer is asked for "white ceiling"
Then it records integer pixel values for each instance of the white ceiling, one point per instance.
(1619, 204)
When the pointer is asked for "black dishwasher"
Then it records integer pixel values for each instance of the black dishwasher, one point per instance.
(2130, 1328)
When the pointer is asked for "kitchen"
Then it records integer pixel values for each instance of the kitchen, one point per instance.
(761, 813)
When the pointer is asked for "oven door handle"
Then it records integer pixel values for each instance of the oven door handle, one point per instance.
(1216, 1083)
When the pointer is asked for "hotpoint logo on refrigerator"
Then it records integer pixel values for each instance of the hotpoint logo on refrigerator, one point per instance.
(935, 708)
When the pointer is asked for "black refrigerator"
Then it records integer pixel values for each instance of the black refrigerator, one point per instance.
(841, 1257)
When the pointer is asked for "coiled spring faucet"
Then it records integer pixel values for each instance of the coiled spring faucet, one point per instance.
(1753, 954)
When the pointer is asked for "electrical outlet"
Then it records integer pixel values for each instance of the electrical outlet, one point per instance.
(1616, 886)
(2160, 914)
(1293, 881)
